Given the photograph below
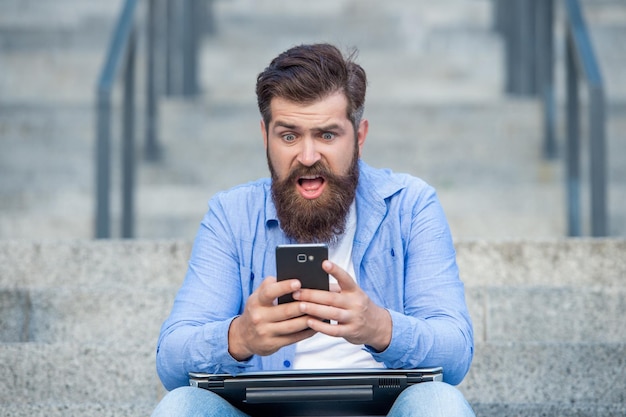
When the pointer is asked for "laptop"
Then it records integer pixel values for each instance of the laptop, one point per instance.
(314, 392)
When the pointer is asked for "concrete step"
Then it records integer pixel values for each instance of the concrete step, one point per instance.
(33, 13)
(75, 373)
(160, 264)
(546, 316)
(121, 287)
(115, 317)
(119, 317)
(607, 24)
(431, 49)
(561, 263)
(122, 317)
(138, 264)
(70, 76)
(61, 409)
(548, 409)
(124, 265)
(50, 147)
(569, 375)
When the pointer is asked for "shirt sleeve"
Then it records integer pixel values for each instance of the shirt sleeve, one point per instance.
(434, 328)
(194, 338)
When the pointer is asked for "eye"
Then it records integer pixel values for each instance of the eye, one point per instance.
(289, 137)
(328, 136)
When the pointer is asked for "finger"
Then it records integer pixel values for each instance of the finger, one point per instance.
(345, 281)
(322, 297)
(328, 329)
(270, 289)
(296, 337)
(291, 326)
(275, 315)
(325, 311)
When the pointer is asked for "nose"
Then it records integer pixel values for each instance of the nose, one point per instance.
(309, 153)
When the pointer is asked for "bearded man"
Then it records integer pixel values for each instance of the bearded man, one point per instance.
(397, 302)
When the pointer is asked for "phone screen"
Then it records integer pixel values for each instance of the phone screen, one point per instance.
(303, 262)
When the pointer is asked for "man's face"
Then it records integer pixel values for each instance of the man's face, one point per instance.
(312, 152)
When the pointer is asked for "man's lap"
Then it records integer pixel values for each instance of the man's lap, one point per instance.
(429, 399)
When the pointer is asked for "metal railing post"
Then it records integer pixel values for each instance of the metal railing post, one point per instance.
(545, 74)
(171, 45)
(597, 153)
(183, 33)
(103, 165)
(186, 23)
(128, 142)
(581, 60)
(573, 139)
(527, 29)
(119, 43)
(152, 150)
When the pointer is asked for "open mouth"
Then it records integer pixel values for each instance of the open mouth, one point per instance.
(311, 186)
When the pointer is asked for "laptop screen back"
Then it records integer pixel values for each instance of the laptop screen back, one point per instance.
(315, 392)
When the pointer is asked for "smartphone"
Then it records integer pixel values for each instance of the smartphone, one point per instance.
(303, 262)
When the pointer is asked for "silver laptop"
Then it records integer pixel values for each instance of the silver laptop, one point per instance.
(315, 392)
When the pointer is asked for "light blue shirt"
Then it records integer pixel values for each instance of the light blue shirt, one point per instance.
(404, 260)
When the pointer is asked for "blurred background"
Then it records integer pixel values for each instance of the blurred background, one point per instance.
(122, 118)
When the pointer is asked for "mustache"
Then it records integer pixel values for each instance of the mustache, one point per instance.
(318, 169)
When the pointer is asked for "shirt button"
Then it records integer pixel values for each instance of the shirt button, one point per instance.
(287, 364)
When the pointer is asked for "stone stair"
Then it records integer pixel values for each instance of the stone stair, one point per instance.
(79, 325)
(80, 320)
(550, 339)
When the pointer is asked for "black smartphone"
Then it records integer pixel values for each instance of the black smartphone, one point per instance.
(303, 262)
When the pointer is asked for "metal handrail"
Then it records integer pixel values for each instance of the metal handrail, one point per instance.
(122, 51)
(122, 45)
(527, 28)
(581, 63)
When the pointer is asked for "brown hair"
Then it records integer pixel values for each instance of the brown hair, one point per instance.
(307, 73)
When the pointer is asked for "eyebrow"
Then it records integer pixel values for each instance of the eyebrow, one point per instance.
(286, 125)
(327, 128)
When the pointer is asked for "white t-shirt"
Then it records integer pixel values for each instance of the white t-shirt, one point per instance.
(326, 352)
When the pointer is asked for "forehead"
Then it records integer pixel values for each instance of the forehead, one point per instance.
(332, 107)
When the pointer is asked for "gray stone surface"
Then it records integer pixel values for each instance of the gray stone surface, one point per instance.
(14, 316)
(59, 409)
(549, 410)
(92, 311)
(537, 373)
(75, 373)
(121, 264)
(566, 262)
(100, 317)
(548, 314)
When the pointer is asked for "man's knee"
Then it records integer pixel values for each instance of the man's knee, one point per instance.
(431, 399)
(194, 402)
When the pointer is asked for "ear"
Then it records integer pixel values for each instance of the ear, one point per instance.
(264, 133)
(362, 134)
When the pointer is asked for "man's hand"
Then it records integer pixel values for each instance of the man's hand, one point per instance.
(359, 319)
(263, 328)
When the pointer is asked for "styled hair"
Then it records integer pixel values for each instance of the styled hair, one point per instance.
(308, 73)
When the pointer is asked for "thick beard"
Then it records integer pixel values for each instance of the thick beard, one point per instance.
(321, 220)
